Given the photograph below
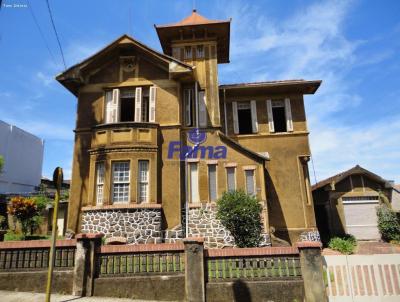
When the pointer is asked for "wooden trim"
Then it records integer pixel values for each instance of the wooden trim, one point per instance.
(142, 248)
(248, 252)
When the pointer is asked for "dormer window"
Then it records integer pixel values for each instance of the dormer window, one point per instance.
(200, 52)
(188, 52)
(130, 105)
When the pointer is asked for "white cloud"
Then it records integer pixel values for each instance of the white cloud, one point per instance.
(312, 44)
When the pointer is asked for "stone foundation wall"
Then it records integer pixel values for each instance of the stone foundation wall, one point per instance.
(203, 223)
(136, 225)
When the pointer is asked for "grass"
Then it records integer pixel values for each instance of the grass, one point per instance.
(12, 236)
(345, 244)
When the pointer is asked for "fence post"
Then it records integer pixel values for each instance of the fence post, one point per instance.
(87, 246)
(312, 271)
(194, 270)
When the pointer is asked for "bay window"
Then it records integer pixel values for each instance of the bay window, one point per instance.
(143, 181)
(99, 182)
(120, 182)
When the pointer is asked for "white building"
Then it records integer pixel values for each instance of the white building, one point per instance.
(23, 159)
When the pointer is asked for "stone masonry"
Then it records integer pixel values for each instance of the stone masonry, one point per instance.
(136, 225)
(203, 223)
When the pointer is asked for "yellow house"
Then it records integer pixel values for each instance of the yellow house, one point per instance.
(155, 130)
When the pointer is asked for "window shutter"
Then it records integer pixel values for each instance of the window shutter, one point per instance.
(235, 118)
(202, 109)
(188, 104)
(288, 112)
(254, 122)
(270, 116)
(112, 100)
(152, 105)
(138, 104)
(231, 182)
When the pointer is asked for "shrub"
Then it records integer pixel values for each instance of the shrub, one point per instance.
(345, 244)
(3, 222)
(388, 223)
(240, 214)
(1, 163)
(23, 209)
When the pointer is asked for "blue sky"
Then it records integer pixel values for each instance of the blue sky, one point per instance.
(353, 46)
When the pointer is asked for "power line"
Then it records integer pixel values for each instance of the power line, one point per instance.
(40, 31)
(315, 175)
(55, 31)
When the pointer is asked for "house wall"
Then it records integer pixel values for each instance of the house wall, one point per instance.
(290, 202)
(95, 141)
(23, 159)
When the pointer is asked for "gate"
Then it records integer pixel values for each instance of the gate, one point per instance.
(359, 278)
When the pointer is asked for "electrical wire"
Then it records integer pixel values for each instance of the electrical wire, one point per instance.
(315, 175)
(55, 31)
(40, 31)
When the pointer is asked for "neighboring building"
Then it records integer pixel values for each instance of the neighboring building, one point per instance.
(396, 198)
(47, 186)
(137, 114)
(23, 159)
(346, 204)
(47, 189)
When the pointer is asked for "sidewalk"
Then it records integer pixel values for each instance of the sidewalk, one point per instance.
(7, 296)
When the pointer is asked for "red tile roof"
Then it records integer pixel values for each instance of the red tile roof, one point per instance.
(194, 19)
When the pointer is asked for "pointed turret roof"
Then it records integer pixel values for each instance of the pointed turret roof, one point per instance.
(195, 27)
(194, 19)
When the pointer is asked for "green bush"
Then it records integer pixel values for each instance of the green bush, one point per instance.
(240, 214)
(388, 223)
(345, 244)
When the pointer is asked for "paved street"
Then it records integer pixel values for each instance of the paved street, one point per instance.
(8, 296)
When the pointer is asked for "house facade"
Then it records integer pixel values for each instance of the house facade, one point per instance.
(346, 203)
(155, 130)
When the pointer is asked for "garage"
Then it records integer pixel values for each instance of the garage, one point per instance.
(360, 217)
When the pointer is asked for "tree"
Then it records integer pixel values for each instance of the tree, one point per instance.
(1, 163)
(240, 214)
(24, 210)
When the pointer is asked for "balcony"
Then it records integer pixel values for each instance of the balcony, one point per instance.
(125, 134)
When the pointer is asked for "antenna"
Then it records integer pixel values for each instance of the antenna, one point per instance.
(194, 5)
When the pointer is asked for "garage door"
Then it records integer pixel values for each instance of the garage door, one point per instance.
(361, 219)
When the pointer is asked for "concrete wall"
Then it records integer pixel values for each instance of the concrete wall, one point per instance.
(35, 281)
(255, 291)
(23, 159)
(159, 288)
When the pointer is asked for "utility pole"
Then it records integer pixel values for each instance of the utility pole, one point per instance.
(57, 180)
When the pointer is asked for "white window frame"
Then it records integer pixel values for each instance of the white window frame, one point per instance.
(188, 52)
(199, 51)
(285, 103)
(100, 174)
(234, 178)
(254, 181)
(176, 52)
(209, 182)
(145, 182)
(202, 108)
(152, 104)
(126, 182)
(194, 182)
